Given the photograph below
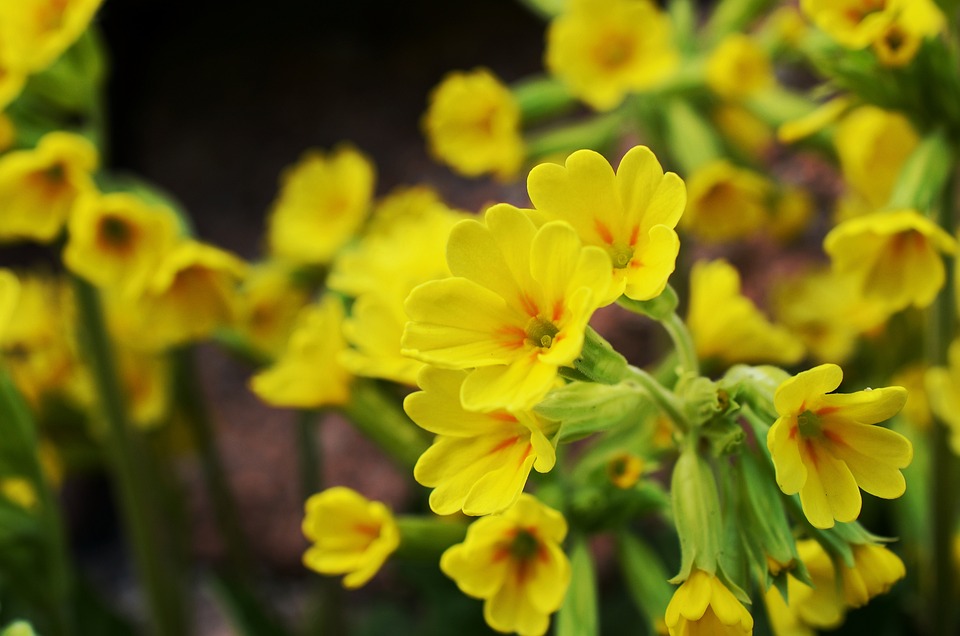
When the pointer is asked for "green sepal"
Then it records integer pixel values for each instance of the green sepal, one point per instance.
(585, 408)
(754, 386)
(599, 361)
(658, 308)
(646, 578)
(578, 615)
(696, 513)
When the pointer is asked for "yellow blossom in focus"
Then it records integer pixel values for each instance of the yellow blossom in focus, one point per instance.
(895, 256)
(725, 202)
(738, 67)
(825, 445)
(323, 200)
(479, 462)
(350, 535)
(9, 295)
(854, 24)
(117, 240)
(38, 187)
(872, 145)
(34, 33)
(513, 561)
(309, 374)
(515, 310)
(631, 215)
(727, 325)
(747, 132)
(943, 387)
(473, 125)
(704, 605)
(267, 305)
(604, 49)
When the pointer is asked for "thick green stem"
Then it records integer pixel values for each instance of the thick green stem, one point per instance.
(383, 421)
(161, 586)
(665, 400)
(683, 342)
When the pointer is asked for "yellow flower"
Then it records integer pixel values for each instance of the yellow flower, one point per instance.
(34, 33)
(19, 491)
(916, 411)
(814, 121)
(515, 310)
(630, 214)
(875, 570)
(704, 605)
(308, 374)
(624, 470)
(323, 200)
(816, 606)
(791, 212)
(605, 49)
(872, 145)
(350, 534)
(473, 125)
(38, 187)
(725, 202)
(146, 380)
(514, 562)
(118, 240)
(901, 39)
(11, 83)
(824, 446)
(479, 462)
(9, 293)
(943, 386)
(895, 256)
(374, 330)
(267, 304)
(727, 325)
(738, 67)
(401, 204)
(853, 23)
(8, 134)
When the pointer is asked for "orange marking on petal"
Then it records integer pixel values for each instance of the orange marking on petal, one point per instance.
(827, 410)
(557, 310)
(507, 443)
(834, 437)
(526, 453)
(529, 305)
(502, 416)
(603, 231)
(367, 529)
(793, 432)
(812, 452)
(634, 235)
(515, 336)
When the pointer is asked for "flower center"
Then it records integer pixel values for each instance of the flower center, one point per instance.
(621, 255)
(541, 332)
(115, 232)
(525, 545)
(809, 424)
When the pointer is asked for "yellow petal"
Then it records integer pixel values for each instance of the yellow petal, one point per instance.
(795, 392)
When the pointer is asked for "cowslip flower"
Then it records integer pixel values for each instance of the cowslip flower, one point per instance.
(117, 240)
(351, 535)
(738, 67)
(704, 605)
(901, 39)
(514, 562)
(38, 187)
(894, 256)
(323, 200)
(515, 310)
(631, 215)
(854, 24)
(725, 202)
(726, 325)
(479, 462)
(825, 447)
(36, 32)
(604, 49)
(473, 125)
(308, 374)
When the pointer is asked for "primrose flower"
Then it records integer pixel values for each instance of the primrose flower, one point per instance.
(604, 49)
(117, 240)
(350, 534)
(819, 605)
(824, 446)
(630, 214)
(725, 202)
(9, 293)
(727, 325)
(473, 125)
(323, 200)
(895, 256)
(38, 187)
(901, 39)
(514, 562)
(515, 310)
(738, 67)
(479, 462)
(854, 24)
(704, 605)
(34, 33)
(309, 374)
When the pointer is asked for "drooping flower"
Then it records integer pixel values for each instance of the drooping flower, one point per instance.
(479, 462)
(473, 125)
(323, 200)
(515, 310)
(726, 325)
(704, 605)
(630, 214)
(824, 445)
(875, 570)
(604, 49)
(351, 535)
(725, 202)
(513, 562)
(738, 67)
(38, 187)
(894, 256)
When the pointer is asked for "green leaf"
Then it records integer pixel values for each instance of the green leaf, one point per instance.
(578, 615)
(646, 578)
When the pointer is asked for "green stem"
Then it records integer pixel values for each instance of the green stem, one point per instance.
(542, 96)
(683, 342)
(596, 133)
(143, 526)
(383, 421)
(426, 538)
(311, 462)
(665, 400)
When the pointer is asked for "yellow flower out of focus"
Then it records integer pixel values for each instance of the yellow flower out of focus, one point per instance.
(515, 310)
(473, 125)
(825, 445)
(747, 132)
(624, 470)
(725, 202)
(350, 534)
(323, 201)
(943, 386)
(479, 462)
(38, 187)
(704, 605)
(604, 49)
(901, 39)
(853, 23)
(738, 67)
(630, 214)
(727, 325)
(514, 562)
(9, 294)
(309, 374)
(117, 240)
(895, 256)
(19, 491)
(267, 305)
(33, 33)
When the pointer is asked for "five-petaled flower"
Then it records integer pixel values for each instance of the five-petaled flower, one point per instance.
(704, 605)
